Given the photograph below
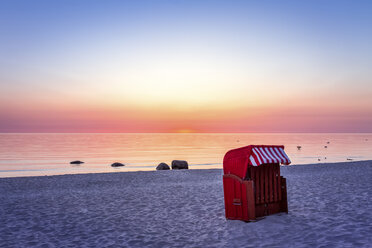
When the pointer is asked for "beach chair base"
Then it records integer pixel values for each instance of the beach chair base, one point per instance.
(265, 193)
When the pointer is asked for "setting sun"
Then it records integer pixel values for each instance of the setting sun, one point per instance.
(185, 131)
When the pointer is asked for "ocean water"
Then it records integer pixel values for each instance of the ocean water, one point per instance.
(50, 154)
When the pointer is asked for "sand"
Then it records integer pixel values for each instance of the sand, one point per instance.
(329, 206)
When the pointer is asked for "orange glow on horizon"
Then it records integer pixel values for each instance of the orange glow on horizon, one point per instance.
(185, 131)
(320, 113)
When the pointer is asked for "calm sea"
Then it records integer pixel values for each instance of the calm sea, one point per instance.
(50, 154)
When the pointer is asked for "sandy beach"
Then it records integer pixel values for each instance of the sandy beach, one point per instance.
(329, 206)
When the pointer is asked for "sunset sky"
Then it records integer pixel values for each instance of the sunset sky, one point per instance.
(185, 66)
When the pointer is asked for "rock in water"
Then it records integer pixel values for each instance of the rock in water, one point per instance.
(179, 165)
(162, 166)
(117, 164)
(77, 162)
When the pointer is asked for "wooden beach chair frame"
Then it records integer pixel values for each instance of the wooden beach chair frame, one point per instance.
(253, 191)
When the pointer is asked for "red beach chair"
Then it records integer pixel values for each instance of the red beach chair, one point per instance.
(252, 183)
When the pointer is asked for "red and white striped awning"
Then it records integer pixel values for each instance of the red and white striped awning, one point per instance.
(268, 155)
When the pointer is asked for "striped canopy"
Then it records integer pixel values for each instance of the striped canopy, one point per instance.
(237, 161)
(267, 155)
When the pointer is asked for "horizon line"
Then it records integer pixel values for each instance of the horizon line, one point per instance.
(185, 132)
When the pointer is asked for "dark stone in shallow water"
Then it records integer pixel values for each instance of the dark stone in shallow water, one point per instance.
(77, 162)
(179, 165)
(116, 164)
(162, 166)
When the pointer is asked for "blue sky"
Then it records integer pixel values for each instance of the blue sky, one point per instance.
(185, 56)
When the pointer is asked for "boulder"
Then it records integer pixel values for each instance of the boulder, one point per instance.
(77, 162)
(117, 164)
(179, 165)
(162, 166)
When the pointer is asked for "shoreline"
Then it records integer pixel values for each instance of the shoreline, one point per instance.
(154, 170)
